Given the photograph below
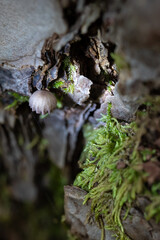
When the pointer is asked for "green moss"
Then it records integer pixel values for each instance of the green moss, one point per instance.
(100, 177)
(105, 74)
(44, 116)
(110, 85)
(109, 187)
(66, 85)
(17, 100)
(146, 153)
(58, 83)
(120, 61)
(70, 236)
(153, 209)
(33, 143)
(69, 68)
(69, 89)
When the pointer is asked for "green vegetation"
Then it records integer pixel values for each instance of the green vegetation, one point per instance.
(120, 61)
(69, 68)
(70, 71)
(68, 87)
(44, 116)
(18, 99)
(113, 173)
(106, 75)
(58, 83)
(109, 86)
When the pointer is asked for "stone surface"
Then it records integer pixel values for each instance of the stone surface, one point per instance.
(56, 133)
(139, 45)
(86, 16)
(61, 129)
(76, 214)
(24, 26)
(18, 158)
(123, 106)
(136, 226)
(15, 79)
(82, 86)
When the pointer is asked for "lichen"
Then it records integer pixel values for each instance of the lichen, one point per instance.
(109, 186)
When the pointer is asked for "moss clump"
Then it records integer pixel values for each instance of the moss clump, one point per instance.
(66, 85)
(58, 83)
(120, 61)
(110, 185)
(17, 100)
(69, 89)
(70, 70)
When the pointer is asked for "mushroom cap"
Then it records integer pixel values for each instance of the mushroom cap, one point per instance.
(42, 101)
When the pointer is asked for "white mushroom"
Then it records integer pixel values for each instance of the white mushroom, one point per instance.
(42, 101)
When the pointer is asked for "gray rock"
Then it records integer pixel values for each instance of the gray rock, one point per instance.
(82, 86)
(135, 30)
(123, 106)
(17, 157)
(56, 133)
(24, 26)
(61, 129)
(136, 226)
(15, 79)
(90, 13)
(76, 214)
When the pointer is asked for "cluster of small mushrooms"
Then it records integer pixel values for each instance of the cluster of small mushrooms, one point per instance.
(42, 102)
